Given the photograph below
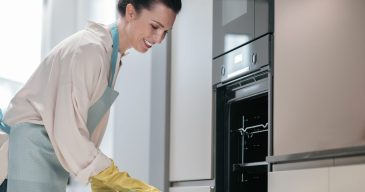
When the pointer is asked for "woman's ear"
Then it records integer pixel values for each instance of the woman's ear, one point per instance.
(130, 12)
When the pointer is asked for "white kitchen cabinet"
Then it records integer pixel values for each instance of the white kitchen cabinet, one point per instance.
(191, 189)
(347, 178)
(306, 180)
(191, 93)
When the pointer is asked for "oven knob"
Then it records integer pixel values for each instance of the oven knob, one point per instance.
(254, 58)
(223, 71)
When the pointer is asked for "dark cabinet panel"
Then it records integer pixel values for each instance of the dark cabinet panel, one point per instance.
(237, 22)
(233, 24)
(264, 17)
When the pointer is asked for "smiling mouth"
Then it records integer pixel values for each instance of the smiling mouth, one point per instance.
(148, 44)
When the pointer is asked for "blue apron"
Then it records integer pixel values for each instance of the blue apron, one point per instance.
(33, 165)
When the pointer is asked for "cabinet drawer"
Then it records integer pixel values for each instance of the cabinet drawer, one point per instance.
(191, 189)
(313, 180)
(347, 178)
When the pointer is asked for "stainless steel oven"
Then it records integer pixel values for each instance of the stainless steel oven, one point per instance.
(237, 22)
(242, 89)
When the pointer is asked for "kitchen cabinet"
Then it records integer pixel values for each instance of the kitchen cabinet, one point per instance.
(327, 179)
(313, 180)
(191, 93)
(191, 189)
(347, 178)
(318, 75)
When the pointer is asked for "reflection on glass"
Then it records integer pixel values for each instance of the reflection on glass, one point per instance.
(232, 9)
(236, 62)
(233, 40)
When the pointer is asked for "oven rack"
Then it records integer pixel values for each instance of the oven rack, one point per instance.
(251, 130)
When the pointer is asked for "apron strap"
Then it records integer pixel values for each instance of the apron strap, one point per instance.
(4, 127)
(98, 110)
(115, 36)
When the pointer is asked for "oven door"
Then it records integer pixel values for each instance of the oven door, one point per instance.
(242, 132)
(233, 24)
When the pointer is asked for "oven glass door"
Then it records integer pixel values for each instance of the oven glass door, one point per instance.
(242, 133)
(233, 24)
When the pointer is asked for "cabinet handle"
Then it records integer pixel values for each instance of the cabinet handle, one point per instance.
(223, 71)
(254, 58)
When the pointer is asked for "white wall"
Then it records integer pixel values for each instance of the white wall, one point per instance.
(62, 18)
(20, 40)
(56, 24)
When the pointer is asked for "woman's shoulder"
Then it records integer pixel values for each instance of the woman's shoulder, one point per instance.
(93, 39)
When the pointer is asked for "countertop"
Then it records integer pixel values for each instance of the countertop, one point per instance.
(317, 155)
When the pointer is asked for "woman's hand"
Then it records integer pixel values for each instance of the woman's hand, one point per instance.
(112, 180)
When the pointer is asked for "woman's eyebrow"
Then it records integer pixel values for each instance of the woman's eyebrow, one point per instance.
(159, 23)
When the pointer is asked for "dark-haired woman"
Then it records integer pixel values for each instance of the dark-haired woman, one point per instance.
(55, 123)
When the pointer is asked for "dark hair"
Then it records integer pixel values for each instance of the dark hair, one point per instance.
(175, 5)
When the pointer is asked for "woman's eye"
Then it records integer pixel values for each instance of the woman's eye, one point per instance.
(154, 27)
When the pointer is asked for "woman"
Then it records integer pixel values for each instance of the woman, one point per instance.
(57, 120)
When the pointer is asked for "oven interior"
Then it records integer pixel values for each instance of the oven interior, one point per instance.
(242, 134)
(248, 143)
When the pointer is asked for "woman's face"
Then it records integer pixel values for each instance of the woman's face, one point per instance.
(148, 27)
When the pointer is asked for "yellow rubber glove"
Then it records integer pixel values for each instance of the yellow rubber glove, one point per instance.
(112, 180)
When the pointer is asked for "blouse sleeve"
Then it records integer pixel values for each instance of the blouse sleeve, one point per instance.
(68, 128)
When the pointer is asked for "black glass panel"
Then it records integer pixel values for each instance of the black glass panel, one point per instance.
(233, 24)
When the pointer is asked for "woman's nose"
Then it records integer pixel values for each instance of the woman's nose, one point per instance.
(160, 36)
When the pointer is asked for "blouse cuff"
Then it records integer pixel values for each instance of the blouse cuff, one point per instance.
(100, 163)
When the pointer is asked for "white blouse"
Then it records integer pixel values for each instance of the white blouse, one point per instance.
(59, 93)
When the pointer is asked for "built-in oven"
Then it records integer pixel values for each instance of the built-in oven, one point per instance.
(237, 22)
(242, 92)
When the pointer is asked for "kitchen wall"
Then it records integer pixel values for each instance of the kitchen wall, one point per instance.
(62, 18)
